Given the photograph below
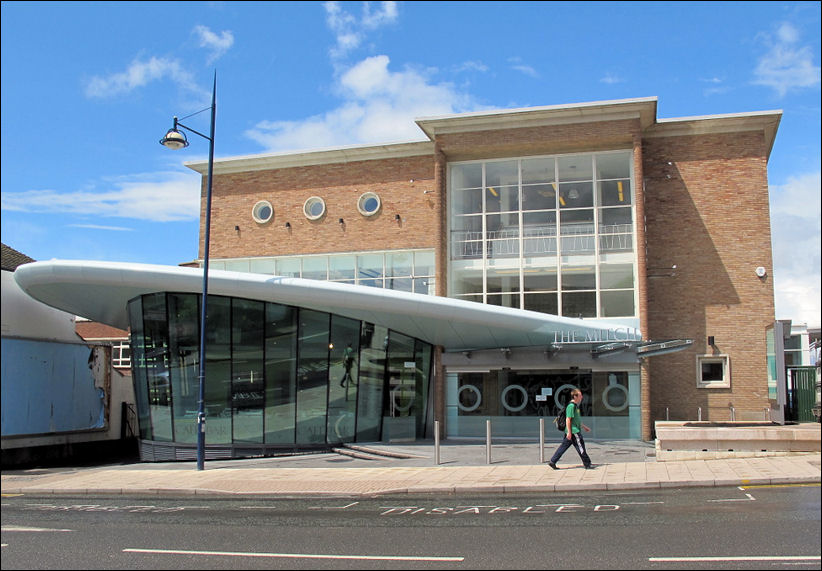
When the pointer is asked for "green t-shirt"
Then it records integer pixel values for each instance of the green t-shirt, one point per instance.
(572, 412)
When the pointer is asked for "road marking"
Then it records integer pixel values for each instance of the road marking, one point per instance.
(333, 507)
(800, 485)
(739, 558)
(293, 555)
(750, 498)
(21, 528)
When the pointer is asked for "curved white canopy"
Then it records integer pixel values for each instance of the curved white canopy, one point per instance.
(101, 290)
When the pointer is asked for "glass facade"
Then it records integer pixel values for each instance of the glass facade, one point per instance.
(401, 270)
(552, 234)
(514, 400)
(277, 377)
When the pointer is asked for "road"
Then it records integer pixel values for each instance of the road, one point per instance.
(767, 527)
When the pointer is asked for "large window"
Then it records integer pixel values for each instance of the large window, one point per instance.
(402, 270)
(551, 234)
(277, 377)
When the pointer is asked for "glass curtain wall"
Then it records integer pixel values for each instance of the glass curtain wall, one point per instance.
(402, 270)
(548, 234)
(514, 401)
(276, 376)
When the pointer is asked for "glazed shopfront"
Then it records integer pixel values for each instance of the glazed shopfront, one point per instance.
(278, 378)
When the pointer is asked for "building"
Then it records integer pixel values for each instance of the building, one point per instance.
(61, 398)
(102, 334)
(478, 275)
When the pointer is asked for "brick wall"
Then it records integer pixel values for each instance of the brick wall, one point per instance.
(707, 212)
(340, 185)
(515, 142)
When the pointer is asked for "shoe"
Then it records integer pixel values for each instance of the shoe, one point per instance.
(589, 467)
(552, 465)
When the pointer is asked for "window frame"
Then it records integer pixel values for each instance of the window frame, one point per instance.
(722, 359)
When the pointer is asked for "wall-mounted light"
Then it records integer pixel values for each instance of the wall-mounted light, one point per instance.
(761, 272)
(427, 191)
(342, 222)
(711, 341)
(397, 217)
(288, 225)
(236, 228)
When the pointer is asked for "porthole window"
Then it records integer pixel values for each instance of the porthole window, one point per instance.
(369, 203)
(314, 208)
(262, 212)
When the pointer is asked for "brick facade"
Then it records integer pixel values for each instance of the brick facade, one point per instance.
(706, 205)
(399, 182)
(701, 205)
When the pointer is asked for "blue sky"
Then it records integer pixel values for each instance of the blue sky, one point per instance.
(89, 88)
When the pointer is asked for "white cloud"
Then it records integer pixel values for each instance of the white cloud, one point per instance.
(517, 65)
(611, 78)
(472, 66)
(379, 105)
(99, 227)
(786, 66)
(796, 232)
(218, 44)
(351, 32)
(175, 198)
(138, 74)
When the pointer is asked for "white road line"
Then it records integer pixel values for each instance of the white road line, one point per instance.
(21, 528)
(333, 507)
(292, 555)
(739, 558)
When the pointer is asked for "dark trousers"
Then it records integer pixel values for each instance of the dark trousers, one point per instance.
(578, 443)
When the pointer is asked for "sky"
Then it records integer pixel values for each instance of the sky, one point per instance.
(89, 88)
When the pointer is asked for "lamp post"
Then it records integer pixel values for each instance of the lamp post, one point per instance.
(176, 139)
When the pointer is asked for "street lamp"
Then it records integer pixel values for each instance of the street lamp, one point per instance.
(176, 139)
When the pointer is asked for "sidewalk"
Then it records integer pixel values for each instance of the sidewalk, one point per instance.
(381, 469)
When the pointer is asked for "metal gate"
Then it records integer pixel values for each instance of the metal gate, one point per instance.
(802, 393)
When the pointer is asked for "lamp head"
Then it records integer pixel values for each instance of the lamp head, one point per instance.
(174, 139)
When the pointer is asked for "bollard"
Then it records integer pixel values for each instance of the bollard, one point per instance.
(667, 416)
(733, 414)
(437, 442)
(768, 413)
(488, 441)
(699, 414)
(541, 440)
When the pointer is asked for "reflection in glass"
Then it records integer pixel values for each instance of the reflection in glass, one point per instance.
(280, 373)
(343, 379)
(156, 364)
(312, 376)
(218, 371)
(248, 381)
(184, 347)
(373, 346)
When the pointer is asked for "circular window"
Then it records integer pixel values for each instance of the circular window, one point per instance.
(504, 398)
(262, 212)
(468, 406)
(314, 208)
(369, 203)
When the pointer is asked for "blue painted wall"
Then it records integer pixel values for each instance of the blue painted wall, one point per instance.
(48, 387)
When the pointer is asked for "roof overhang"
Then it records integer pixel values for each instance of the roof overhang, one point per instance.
(766, 122)
(101, 291)
(643, 109)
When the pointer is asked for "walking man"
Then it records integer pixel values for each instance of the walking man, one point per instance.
(573, 433)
